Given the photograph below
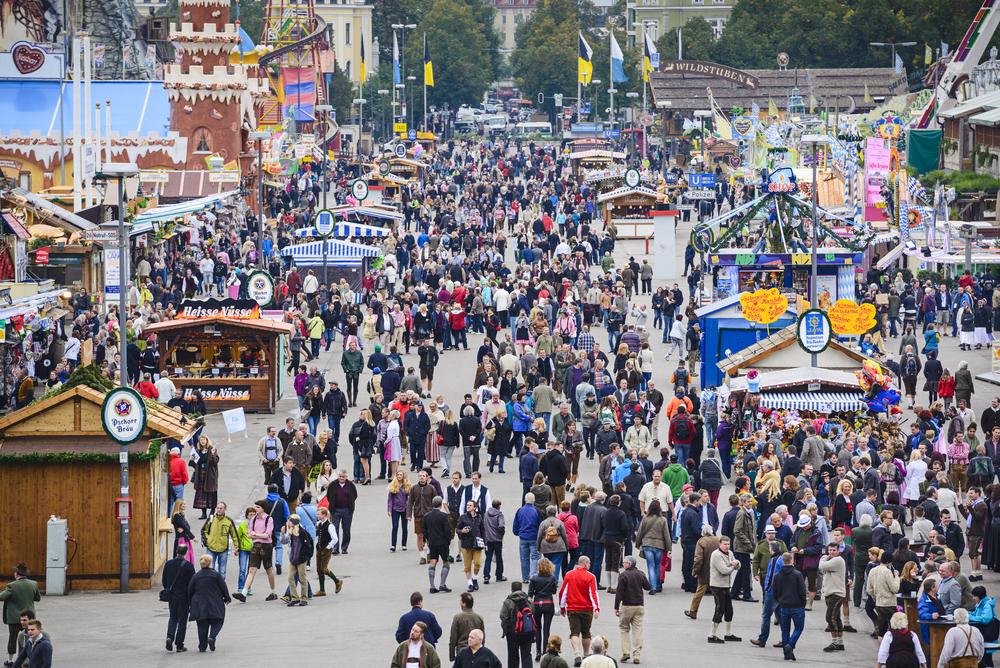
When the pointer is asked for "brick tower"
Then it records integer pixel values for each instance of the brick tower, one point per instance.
(212, 100)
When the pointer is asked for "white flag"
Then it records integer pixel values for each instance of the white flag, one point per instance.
(236, 420)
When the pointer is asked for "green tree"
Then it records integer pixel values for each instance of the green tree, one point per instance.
(485, 16)
(385, 14)
(340, 94)
(251, 17)
(459, 53)
(546, 48)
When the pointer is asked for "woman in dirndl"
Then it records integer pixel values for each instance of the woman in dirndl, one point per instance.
(205, 460)
(432, 451)
(182, 530)
(900, 647)
(991, 542)
(984, 325)
(967, 336)
(522, 333)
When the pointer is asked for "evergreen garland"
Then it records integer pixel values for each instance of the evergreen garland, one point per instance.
(83, 457)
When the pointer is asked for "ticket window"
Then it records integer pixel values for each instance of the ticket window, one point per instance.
(210, 360)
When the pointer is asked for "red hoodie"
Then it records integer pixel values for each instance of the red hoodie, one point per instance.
(178, 470)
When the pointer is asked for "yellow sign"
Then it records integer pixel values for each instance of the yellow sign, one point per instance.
(850, 318)
(399, 127)
(763, 306)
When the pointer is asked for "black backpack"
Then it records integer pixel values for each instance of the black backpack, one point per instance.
(681, 378)
(524, 622)
(355, 434)
(683, 430)
(910, 365)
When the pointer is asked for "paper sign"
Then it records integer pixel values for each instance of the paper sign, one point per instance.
(763, 306)
(236, 420)
(850, 318)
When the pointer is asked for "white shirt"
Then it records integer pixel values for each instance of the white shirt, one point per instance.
(883, 648)
(413, 649)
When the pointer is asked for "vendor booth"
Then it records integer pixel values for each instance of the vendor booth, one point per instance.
(629, 209)
(344, 260)
(224, 349)
(59, 462)
(583, 161)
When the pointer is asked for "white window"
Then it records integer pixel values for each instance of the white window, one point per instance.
(653, 29)
(347, 34)
(718, 2)
(697, 2)
(718, 25)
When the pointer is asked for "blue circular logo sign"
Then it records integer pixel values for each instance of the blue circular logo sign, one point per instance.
(411, 134)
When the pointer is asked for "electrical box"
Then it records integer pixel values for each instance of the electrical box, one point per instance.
(56, 531)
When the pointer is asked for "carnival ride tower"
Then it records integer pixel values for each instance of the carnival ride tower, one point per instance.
(296, 34)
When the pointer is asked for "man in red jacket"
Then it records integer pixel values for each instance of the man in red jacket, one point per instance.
(578, 601)
(178, 478)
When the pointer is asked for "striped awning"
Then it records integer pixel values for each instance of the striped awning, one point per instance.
(342, 229)
(339, 253)
(814, 401)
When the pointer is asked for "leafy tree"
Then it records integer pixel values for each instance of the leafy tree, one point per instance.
(485, 16)
(340, 94)
(385, 14)
(460, 53)
(251, 17)
(546, 47)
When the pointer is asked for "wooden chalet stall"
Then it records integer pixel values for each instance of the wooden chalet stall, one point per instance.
(224, 349)
(57, 460)
(583, 161)
(630, 210)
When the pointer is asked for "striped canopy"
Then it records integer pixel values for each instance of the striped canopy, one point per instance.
(339, 253)
(342, 229)
(814, 401)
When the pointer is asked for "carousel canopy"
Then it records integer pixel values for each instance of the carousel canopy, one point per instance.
(814, 401)
(624, 191)
(172, 211)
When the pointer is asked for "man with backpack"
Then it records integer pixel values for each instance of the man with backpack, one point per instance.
(680, 378)
(909, 367)
(681, 434)
(518, 625)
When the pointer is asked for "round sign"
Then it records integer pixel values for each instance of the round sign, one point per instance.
(411, 134)
(814, 331)
(123, 415)
(645, 119)
(384, 167)
(400, 151)
(632, 178)
(360, 190)
(702, 238)
(260, 287)
(324, 220)
(782, 59)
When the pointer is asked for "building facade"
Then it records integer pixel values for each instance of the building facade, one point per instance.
(511, 14)
(660, 16)
(350, 22)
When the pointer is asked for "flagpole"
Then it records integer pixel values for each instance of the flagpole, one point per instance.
(425, 83)
(611, 116)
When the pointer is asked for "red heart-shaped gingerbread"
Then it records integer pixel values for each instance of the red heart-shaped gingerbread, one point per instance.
(27, 58)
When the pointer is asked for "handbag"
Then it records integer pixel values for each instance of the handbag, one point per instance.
(480, 543)
(304, 414)
(164, 593)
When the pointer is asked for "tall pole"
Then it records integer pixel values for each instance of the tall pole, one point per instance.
(123, 274)
(425, 84)
(326, 120)
(260, 202)
(813, 288)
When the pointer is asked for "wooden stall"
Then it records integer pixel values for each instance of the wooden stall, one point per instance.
(224, 349)
(629, 209)
(582, 162)
(57, 460)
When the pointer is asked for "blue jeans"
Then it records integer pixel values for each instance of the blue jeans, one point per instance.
(727, 461)
(219, 560)
(557, 561)
(611, 340)
(788, 616)
(334, 423)
(398, 518)
(359, 470)
(330, 335)
(683, 451)
(313, 423)
(315, 346)
(646, 376)
(244, 563)
(654, 556)
(493, 460)
(595, 550)
(529, 558)
(929, 318)
(765, 617)
(174, 492)
(657, 318)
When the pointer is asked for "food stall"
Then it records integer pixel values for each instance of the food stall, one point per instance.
(407, 168)
(225, 349)
(584, 161)
(630, 210)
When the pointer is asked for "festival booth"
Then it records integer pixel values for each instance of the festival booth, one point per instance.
(226, 350)
(629, 208)
(409, 169)
(584, 161)
(59, 462)
(344, 260)
(384, 189)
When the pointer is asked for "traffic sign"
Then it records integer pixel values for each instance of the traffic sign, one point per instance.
(104, 236)
(632, 178)
(644, 119)
(700, 194)
(411, 134)
(654, 61)
(400, 151)
(612, 134)
(558, 98)
(701, 180)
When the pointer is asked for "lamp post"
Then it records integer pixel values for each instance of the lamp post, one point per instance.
(381, 134)
(632, 96)
(402, 28)
(703, 114)
(411, 79)
(597, 116)
(663, 105)
(325, 110)
(259, 137)
(360, 101)
(121, 171)
(815, 140)
(892, 46)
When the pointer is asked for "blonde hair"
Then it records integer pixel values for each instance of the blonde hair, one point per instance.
(294, 529)
(449, 417)
(395, 485)
(177, 507)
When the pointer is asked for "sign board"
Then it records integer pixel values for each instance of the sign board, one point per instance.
(308, 141)
(260, 288)
(411, 134)
(104, 236)
(216, 393)
(112, 275)
(89, 161)
(123, 415)
(850, 318)
(814, 387)
(612, 134)
(814, 332)
(632, 178)
(384, 167)
(399, 127)
(700, 194)
(359, 189)
(644, 119)
(236, 420)
(42, 256)
(300, 151)
(25, 60)
(324, 222)
(229, 177)
(400, 151)
(654, 61)
(154, 177)
(763, 306)
(235, 309)
(713, 70)
(701, 180)
(558, 98)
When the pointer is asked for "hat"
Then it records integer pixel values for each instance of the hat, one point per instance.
(769, 529)
(606, 421)
(21, 569)
(377, 370)
(804, 521)
(673, 457)
(685, 487)
(634, 466)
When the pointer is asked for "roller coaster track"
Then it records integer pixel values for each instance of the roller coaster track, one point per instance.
(315, 36)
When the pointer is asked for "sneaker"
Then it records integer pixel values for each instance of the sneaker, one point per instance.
(501, 579)
(340, 584)
(272, 597)
(303, 603)
(471, 589)
(576, 664)
(434, 591)
(291, 604)
(486, 581)
(732, 638)
(181, 648)
(423, 561)
(475, 585)
(240, 597)
(841, 648)
(625, 659)
(286, 598)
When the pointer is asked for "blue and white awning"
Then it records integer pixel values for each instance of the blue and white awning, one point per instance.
(342, 229)
(824, 402)
(339, 253)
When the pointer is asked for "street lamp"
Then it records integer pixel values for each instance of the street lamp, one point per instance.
(259, 136)
(703, 114)
(324, 110)
(411, 79)
(814, 140)
(403, 27)
(121, 171)
(381, 134)
(663, 105)
(360, 101)
(892, 45)
(632, 96)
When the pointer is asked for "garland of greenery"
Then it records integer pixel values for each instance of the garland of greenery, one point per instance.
(721, 242)
(152, 454)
